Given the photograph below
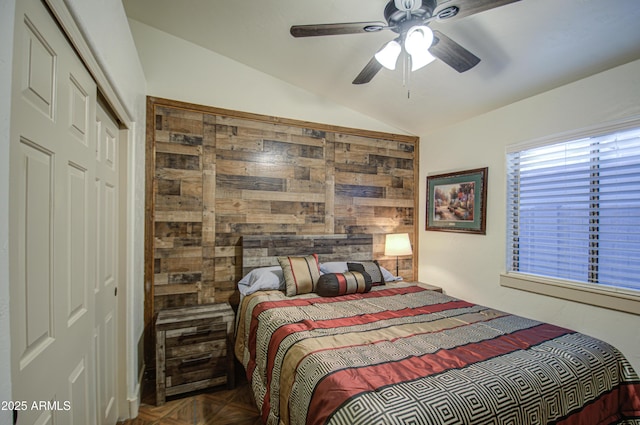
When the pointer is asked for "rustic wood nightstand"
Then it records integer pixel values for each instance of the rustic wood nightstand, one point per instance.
(194, 349)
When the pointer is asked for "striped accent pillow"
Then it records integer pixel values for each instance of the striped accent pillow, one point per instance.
(334, 284)
(300, 274)
(370, 267)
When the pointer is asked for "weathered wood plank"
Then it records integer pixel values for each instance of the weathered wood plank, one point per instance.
(305, 186)
(404, 203)
(179, 203)
(382, 180)
(176, 289)
(168, 187)
(271, 184)
(177, 161)
(181, 264)
(282, 196)
(177, 216)
(243, 168)
(241, 206)
(182, 124)
(178, 149)
(356, 191)
(186, 139)
(189, 251)
(181, 175)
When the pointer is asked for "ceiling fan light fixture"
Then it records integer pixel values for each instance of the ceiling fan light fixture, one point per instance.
(417, 43)
(388, 55)
(418, 39)
(421, 59)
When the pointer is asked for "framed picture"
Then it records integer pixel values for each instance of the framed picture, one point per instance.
(457, 202)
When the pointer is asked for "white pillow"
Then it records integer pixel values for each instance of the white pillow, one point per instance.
(334, 267)
(388, 276)
(262, 279)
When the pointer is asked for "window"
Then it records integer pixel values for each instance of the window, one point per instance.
(574, 210)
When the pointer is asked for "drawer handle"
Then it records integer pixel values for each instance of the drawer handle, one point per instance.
(195, 333)
(191, 362)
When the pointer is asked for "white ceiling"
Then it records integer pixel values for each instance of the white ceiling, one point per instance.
(526, 48)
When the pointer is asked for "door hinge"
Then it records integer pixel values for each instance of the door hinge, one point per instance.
(115, 292)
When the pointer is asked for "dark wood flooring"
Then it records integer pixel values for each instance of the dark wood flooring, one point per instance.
(215, 406)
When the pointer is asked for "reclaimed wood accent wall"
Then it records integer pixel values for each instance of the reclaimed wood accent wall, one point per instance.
(214, 175)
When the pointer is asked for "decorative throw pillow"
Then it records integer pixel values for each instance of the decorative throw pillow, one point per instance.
(300, 274)
(372, 268)
(334, 284)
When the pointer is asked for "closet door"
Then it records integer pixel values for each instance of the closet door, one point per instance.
(53, 210)
(106, 282)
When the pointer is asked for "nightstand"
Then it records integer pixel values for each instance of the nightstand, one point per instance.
(194, 349)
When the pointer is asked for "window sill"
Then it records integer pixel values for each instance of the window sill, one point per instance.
(627, 301)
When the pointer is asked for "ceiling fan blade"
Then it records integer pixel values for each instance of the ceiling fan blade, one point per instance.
(368, 72)
(336, 29)
(452, 53)
(469, 7)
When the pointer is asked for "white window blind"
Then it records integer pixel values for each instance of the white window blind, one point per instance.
(574, 210)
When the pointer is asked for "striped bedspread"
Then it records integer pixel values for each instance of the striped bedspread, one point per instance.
(403, 355)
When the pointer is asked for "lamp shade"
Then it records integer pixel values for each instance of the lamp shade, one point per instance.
(417, 44)
(397, 244)
(418, 39)
(388, 55)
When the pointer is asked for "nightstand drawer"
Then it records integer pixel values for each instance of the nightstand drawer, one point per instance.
(214, 346)
(193, 340)
(197, 367)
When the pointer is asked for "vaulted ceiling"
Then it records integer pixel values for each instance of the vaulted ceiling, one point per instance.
(526, 47)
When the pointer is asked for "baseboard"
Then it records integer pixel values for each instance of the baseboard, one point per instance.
(134, 402)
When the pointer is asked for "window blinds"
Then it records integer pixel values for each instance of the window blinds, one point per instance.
(574, 210)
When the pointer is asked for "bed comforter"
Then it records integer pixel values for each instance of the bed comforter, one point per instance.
(401, 354)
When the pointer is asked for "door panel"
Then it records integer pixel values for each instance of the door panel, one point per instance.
(33, 205)
(38, 69)
(77, 238)
(79, 394)
(57, 224)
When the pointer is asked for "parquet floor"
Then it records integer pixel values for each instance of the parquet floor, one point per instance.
(209, 407)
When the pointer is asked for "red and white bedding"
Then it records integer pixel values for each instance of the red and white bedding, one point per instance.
(401, 354)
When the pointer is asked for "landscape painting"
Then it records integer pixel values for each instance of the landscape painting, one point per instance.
(456, 202)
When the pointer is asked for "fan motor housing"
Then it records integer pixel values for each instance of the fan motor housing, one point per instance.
(395, 18)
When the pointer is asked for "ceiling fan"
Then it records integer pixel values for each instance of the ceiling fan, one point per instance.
(410, 19)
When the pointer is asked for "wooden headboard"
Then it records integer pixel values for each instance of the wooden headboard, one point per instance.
(264, 250)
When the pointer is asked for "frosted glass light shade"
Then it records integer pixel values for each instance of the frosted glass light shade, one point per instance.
(420, 60)
(417, 43)
(388, 55)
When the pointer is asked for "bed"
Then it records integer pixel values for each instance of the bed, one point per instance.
(402, 354)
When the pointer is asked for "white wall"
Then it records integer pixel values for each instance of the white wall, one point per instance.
(468, 266)
(7, 12)
(179, 70)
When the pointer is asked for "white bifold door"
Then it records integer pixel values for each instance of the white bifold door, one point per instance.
(64, 233)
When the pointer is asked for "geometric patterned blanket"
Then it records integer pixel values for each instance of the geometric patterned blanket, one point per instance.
(401, 354)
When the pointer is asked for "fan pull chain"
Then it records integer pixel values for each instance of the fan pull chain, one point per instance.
(407, 74)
